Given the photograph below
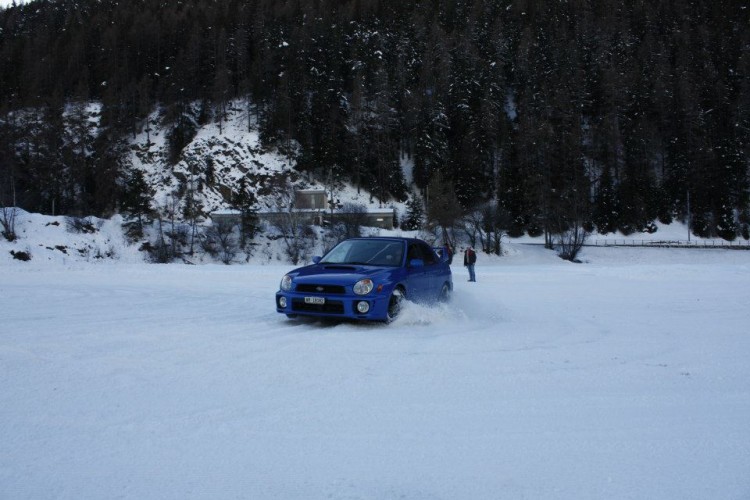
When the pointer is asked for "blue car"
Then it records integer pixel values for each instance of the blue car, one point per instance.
(366, 279)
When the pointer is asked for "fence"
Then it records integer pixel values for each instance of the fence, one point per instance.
(621, 242)
(732, 245)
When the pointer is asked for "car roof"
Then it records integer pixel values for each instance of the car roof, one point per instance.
(387, 238)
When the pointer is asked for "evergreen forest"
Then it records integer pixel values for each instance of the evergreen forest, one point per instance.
(551, 112)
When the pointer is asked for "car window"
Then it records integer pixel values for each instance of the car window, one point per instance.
(414, 252)
(338, 254)
(418, 250)
(392, 254)
(366, 252)
(428, 255)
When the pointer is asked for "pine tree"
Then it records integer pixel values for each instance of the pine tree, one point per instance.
(414, 217)
(136, 199)
(606, 205)
(245, 201)
(443, 207)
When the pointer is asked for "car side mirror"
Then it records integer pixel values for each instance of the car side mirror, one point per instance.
(416, 263)
(316, 259)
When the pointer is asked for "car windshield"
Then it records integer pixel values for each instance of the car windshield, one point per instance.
(367, 252)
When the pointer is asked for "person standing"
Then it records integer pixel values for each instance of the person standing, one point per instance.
(470, 258)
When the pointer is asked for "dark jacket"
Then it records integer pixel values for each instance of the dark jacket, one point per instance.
(470, 257)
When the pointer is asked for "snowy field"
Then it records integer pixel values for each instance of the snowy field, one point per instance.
(627, 377)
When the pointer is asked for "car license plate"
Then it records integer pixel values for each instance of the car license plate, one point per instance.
(315, 300)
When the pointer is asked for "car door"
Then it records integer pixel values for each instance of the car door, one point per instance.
(418, 277)
(433, 270)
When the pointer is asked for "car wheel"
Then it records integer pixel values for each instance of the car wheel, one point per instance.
(445, 293)
(395, 303)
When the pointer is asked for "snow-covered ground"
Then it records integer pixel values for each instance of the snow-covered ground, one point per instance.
(626, 377)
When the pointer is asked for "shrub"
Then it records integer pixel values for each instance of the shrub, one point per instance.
(80, 225)
(23, 256)
(8, 222)
(534, 230)
(627, 228)
(160, 252)
(222, 241)
(570, 242)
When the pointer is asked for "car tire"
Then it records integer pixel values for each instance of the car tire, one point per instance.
(395, 302)
(445, 293)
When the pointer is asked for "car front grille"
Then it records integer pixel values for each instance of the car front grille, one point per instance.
(330, 306)
(306, 288)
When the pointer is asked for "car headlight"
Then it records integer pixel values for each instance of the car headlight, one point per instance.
(286, 283)
(363, 287)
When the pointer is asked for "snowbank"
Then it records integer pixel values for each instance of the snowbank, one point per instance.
(64, 241)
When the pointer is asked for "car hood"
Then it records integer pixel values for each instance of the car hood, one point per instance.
(344, 274)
